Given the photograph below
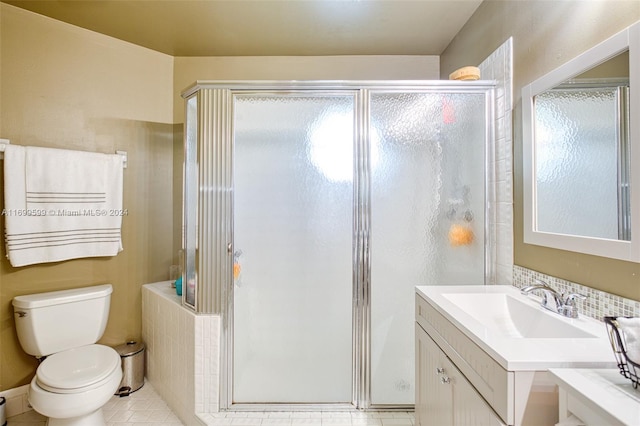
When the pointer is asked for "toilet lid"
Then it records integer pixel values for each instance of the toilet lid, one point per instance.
(77, 368)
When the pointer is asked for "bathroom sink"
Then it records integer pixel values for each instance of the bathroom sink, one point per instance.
(507, 315)
(516, 331)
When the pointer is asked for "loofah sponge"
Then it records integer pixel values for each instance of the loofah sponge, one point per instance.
(460, 235)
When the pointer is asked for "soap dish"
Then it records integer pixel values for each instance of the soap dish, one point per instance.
(628, 368)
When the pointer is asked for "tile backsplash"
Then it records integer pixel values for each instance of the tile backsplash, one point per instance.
(598, 304)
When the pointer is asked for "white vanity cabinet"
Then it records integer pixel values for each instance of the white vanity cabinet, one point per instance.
(493, 348)
(444, 395)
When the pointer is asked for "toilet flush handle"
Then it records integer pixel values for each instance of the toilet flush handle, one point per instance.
(21, 314)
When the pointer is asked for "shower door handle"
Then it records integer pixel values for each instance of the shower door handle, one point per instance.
(229, 248)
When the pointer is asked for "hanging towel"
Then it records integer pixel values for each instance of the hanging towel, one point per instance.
(61, 204)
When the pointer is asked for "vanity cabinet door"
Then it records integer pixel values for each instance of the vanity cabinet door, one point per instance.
(434, 400)
(443, 395)
(469, 408)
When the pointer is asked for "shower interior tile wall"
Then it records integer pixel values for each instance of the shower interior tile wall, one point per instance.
(499, 67)
(598, 304)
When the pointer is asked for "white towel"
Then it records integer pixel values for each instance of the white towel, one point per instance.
(61, 204)
(630, 328)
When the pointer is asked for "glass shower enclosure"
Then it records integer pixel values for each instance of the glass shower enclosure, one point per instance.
(312, 210)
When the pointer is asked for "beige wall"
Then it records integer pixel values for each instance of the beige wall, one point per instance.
(546, 34)
(64, 87)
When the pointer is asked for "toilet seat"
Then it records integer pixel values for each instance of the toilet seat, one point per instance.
(78, 369)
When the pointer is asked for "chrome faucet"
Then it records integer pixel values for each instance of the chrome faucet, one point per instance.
(554, 301)
(551, 299)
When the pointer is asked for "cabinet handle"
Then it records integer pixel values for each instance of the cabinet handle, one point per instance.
(439, 370)
(445, 380)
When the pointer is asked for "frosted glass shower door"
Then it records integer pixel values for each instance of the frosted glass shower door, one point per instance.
(293, 203)
(427, 218)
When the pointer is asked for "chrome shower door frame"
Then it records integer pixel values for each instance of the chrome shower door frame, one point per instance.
(214, 284)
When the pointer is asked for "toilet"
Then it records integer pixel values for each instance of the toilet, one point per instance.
(77, 376)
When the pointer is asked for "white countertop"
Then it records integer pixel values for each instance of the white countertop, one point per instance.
(606, 391)
(524, 354)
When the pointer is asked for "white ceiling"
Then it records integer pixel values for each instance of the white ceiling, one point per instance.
(269, 27)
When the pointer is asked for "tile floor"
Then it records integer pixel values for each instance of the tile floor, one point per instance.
(142, 408)
(146, 408)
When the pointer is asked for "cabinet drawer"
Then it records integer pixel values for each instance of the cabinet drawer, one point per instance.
(493, 382)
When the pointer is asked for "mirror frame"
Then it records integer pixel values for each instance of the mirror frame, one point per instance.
(628, 39)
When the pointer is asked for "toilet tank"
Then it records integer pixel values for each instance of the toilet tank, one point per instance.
(52, 322)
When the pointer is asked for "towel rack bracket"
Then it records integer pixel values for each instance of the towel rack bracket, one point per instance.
(124, 158)
(3, 144)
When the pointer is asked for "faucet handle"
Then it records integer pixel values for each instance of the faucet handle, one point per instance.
(570, 299)
(570, 309)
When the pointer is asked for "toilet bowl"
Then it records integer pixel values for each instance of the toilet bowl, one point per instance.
(77, 376)
(70, 387)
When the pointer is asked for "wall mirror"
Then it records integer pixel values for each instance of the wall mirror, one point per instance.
(581, 144)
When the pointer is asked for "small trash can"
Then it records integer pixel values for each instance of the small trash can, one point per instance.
(132, 356)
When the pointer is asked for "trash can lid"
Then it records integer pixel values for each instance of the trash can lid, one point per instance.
(130, 348)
